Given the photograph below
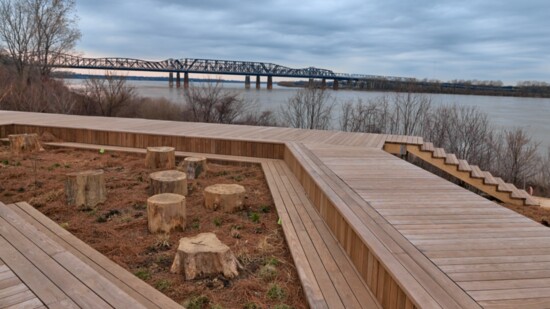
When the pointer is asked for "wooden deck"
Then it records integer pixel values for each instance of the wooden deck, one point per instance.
(365, 228)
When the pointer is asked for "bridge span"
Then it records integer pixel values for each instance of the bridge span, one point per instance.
(186, 66)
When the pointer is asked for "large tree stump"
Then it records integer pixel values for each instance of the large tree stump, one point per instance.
(160, 157)
(194, 166)
(85, 189)
(228, 197)
(166, 212)
(168, 182)
(202, 256)
(21, 143)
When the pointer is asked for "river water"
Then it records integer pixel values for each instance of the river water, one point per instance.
(532, 114)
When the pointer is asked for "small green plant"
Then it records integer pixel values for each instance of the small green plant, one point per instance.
(17, 163)
(268, 273)
(216, 306)
(162, 285)
(139, 206)
(273, 261)
(238, 178)
(162, 242)
(222, 173)
(21, 190)
(5, 162)
(140, 178)
(236, 227)
(196, 302)
(67, 165)
(143, 274)
(276, 292)
(218, 221)
(195, 223)
(282, 306)
(265, 208)
(251, 305)
(65, 225)
(254, 217)
(235, 234)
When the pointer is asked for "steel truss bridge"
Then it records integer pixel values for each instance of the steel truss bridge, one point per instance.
(211, 66)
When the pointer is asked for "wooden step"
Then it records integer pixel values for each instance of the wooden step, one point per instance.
(463, 166)
(489, 179)
(451, 159)
(530, 201)
(439, 153)
(427, 147)
(476, 172)
(502, 185)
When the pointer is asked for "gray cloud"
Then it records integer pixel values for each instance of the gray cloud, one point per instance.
(446, 39)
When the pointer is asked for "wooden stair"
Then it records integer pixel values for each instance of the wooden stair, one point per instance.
(470, 174)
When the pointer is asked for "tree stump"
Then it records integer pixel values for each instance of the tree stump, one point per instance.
(202, 256)
(160, 157)
(168, 182)
(193, 166)
(228, 197)
(166, 212)
(85, 189)
(21, 143)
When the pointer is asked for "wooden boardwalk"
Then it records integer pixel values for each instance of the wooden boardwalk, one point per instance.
(365, 228)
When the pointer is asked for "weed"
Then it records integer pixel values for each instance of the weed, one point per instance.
(143, 274)
(125, 218)
(67, 166)
(21, 190)
(164, 260)
(238, 178)
(65, 225)
(273, 261)
(5, 162)
(140, 178)
(216, 306)
(236, 227)
(17, 163)
(163, 285)
(195, 223)
(222, 173)
(265, 208)
(235, 234)
(254, 217)
(218, 221)
(276, 292)
(139, 206)
(282, 306)
(162, 242)
(267, 273)
(251, 305)
(196, 302)
(108, 215)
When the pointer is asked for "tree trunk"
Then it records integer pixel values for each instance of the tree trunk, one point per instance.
(166, 212)
(160, 158)
(21, 143)
(202, 256)
(228, 197)
(85, 189)
(168, 182)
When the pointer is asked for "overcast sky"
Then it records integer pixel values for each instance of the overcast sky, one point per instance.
(443, 39)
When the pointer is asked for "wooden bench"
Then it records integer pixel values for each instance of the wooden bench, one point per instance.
(328, 276)
(65, 272)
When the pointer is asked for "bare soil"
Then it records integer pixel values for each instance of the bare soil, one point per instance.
(118, 228)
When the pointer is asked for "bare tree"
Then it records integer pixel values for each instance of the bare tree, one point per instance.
(410, 111)
(310, 108)
(109, 95)
(369, 117)
(519, 160)
(37, 29)
(209, 102)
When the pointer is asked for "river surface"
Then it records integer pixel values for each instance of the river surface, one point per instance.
(532, 114)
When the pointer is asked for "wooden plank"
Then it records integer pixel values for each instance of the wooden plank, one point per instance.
(463, 166)
(451, 159)
(138, 289)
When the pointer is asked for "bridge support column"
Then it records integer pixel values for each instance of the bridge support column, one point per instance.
(335, 85)
(186, 80)
(171, 79)
(324, 83)
(269, 82)
(178, 80)
(247, 82)
(257, 81)
(310, 83)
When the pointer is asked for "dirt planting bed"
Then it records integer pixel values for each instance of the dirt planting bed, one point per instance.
(118, 228)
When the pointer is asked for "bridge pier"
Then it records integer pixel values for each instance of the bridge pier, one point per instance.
(258, 82)
(310, 83)
(324, 83)
(186, 80)
(269, 82)
(178, 80)
(247, 82)
(171, 79)
(335, 85)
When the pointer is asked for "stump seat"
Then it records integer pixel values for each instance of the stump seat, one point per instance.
(86, 188)
(227, 197)
(166, 212)
(160, 157)
(24, 143)
(202, 256)
(171, 181)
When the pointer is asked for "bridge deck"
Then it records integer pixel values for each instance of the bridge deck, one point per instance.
(415, 239)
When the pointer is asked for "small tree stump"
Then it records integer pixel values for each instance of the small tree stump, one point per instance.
(228, 197)
(160, 157)
(168, 182)
(194, 166)
(202, 256)
(21, 143)
(166, 212)
(85, 188)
